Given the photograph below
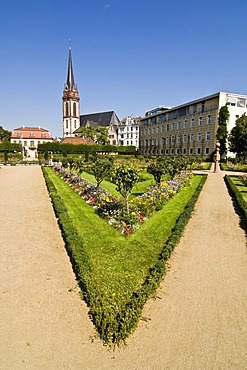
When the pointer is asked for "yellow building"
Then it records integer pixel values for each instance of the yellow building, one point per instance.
(188, 129)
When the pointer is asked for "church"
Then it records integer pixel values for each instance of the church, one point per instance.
(73, 122)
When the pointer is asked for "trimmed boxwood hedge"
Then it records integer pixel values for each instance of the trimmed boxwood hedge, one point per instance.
(236, 193)
(6, 146)
(82, 148)
(115, 325)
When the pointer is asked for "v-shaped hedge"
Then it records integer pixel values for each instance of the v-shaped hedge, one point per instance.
(117, 274)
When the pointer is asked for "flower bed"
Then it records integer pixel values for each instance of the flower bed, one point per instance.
(113, 209)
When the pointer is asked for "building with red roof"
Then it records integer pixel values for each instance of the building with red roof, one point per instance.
(30, 138)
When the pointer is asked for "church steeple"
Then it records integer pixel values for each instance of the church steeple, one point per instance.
(70, 77)
(71, 103)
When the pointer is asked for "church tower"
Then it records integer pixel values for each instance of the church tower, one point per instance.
(71, 103)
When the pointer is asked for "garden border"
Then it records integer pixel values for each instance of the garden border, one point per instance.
(114, 329)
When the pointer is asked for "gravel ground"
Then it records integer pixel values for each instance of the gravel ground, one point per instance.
(197, 321)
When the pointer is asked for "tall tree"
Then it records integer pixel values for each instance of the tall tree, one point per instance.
(238, 137)
(4, 134)
(222, 128)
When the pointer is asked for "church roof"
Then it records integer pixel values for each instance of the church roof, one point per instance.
(98, 119)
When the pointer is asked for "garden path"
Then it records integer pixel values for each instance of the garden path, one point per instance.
(198, 320)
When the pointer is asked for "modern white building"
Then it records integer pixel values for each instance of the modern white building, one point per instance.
(128, 131)
(190, 128)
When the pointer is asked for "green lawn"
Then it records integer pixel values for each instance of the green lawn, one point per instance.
(119, 265)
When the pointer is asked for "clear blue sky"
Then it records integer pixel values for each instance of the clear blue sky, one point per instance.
(128, 56)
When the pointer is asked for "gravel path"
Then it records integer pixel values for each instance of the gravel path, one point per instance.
(198, 320)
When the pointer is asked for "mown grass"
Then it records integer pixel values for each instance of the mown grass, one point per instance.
(233, 167)
(119, 260)
(238, 189)
(119, 265)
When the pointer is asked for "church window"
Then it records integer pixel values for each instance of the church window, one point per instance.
(74, 123)
(74, 109)
(67, 123)
(66, 108)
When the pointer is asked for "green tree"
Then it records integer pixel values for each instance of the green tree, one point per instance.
(238, 137)
(156, 169)
(222, 128)
(4, 134)
(101, 169)
(101, 135)
(98, 134)
(79, 165)
(87, 132)
(125, 177)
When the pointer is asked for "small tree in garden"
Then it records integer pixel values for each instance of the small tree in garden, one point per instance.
(79, 165)
(125, 177)
(64, 162)
(173, 166)
(157, 170)
(101, 169)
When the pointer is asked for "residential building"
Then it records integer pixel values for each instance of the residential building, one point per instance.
(128, 131)
(30, 138)
(190, 128)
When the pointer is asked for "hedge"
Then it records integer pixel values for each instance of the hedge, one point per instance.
(6, 146)
(82, 148)
(236, 193)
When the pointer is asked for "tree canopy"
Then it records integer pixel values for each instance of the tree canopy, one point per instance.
(99, 134)
(4, 134)
(238, 137)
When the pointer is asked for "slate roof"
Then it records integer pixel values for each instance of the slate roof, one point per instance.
(98, 119)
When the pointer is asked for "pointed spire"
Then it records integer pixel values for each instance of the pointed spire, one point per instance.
(70, 85)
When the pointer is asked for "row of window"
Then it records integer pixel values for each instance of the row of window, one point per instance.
(177, 151)
(178, 139)
(31, 143)
(178, 126)
(129, 136)
(180, 112)
(19, 135)
(126, 128)
(129, 142)
(67, 110)
(67, 124)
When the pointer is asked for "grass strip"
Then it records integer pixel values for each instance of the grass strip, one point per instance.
(239, 191)
(117, 273)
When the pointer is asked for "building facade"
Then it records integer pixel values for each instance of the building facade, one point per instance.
(109, 120)
(188, 129)
(128, 131)
(71, 103)
(30, 138)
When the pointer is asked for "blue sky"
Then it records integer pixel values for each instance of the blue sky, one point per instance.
(128, 56)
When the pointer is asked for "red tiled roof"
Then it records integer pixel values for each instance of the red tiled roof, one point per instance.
(30, 133)
(77, 140)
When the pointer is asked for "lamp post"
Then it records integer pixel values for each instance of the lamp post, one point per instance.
(217, 157)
